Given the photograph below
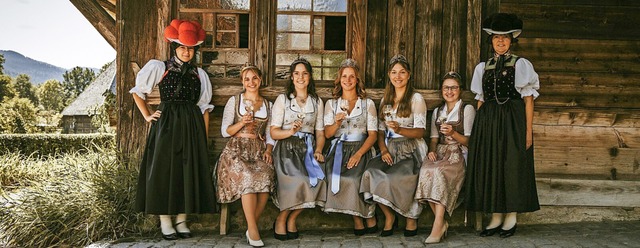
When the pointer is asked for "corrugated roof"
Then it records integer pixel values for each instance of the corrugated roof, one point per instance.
(92, 97)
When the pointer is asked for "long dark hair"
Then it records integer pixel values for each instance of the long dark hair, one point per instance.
(404, 106)
(311, 88)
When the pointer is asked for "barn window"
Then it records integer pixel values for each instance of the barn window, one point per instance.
(315, 30)
(226, 22)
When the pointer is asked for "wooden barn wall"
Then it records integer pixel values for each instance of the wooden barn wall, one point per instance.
(587, 54)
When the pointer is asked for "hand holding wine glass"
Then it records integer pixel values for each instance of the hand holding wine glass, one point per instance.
(344, 106)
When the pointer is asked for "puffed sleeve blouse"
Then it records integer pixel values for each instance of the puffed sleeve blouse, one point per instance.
(526, 79)
(452, 116)
(151, 74)
(229, 113)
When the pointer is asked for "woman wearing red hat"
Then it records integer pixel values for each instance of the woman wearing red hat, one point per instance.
(174, 174)
(500, 175)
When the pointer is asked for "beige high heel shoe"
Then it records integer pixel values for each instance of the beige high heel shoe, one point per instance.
(434, 240)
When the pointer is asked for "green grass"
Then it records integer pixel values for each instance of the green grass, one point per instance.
(69, 200)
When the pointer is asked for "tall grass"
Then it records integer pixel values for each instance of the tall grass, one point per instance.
(70, 200)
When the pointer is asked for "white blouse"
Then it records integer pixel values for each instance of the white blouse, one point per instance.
(283, 115)
(526, 80)
(151, 74)
(356, 124)
(469, 116)
(417, 119)
(229, 113)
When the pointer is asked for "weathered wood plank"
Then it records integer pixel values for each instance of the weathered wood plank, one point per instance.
(99, 18)
(594, 162)
(550, 64)
(358, 16)
(585, 136)
(401, 29)
(588, 79)
(577, 21)
(568, 192)
(453, 38)
(587, 117)
(588, 101)
(428, 53)
(578, 49)
(474, 36)
(375, 65)
(577, 2)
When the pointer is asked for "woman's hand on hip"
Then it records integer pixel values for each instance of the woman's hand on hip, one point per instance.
(153, 117)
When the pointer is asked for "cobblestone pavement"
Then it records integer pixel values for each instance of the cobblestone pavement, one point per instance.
(593, 234)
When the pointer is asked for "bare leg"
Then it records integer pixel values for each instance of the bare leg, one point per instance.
(291, 222)
(358, 224)
(249, 206)
(389, 216)
(433, 207)
(412, 224)
(262, 203)
(281, 222)
(438, 224)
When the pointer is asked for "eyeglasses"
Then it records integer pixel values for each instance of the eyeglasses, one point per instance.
(450, 88)
(300, 75)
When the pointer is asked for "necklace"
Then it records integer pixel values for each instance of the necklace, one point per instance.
(301, 100)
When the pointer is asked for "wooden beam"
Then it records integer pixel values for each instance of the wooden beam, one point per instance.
(99, 18)
(602, 193)
(109, 6)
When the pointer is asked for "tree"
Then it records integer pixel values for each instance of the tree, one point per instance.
(25, 89)
(51, 95)
(7, 90)
(17, 115)
(1, 64)
(104, 67)
(75, 81)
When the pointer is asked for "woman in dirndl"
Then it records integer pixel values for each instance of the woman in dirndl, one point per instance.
(351, 122)
(298, 127)
(442, 173)
(175, 178)
(245, 170)
(391, 178)
(500, 176)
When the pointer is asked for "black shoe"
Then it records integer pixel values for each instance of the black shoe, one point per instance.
(292, 235)
(508, 233)
(172, 236)
(184, 235)
(489, 232)
(359, 232)
(373, 229)
(386, 233)
(410, 233)
(281, 237)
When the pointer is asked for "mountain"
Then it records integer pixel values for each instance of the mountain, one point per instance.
(16, 64)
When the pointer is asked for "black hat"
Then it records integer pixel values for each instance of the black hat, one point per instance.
(502, 23)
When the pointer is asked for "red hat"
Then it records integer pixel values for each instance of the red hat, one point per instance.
(183, 32)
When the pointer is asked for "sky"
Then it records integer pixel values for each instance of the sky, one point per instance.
(52, 31)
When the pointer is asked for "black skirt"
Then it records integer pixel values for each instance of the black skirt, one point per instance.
(500, 175)
(175, 175)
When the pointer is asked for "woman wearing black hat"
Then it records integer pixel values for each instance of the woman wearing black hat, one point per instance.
(174, 174)
(500, 175)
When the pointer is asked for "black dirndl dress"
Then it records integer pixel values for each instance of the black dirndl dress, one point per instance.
(174, 174)
(500, 175)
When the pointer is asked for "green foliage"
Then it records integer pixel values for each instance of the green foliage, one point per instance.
(51, 95)
(51, 145)
(102, 114)
(104, 67)
(25, 89)
(17, 115)
(75, 81)
(73, 200)
(7, 90)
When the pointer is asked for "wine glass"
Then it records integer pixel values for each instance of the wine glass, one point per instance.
(388, 112)
(442, 119)
(344, 106)
(301, 116)
(248, 106)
